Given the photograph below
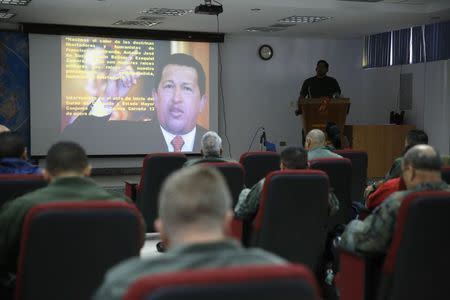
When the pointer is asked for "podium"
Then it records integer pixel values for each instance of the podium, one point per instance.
(317, 112)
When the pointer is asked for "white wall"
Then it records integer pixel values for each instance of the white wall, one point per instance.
(430, 104)
(264, 93)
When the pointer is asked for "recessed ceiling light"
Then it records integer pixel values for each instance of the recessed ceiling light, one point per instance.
(6, 15)
(263, 29)
(166, 11)
(136, 23)
(303, 19)
(15, 2)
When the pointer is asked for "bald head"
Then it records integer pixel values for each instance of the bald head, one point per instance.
(423, 157)
(4, 129)
(315, 138)
(421, 163)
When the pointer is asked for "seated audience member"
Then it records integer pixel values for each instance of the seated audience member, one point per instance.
(3, 128)
(413, 138)
(194, 219)
(421, 171)
(292, 158)
(13, 155)
(67, 169)
(333, 139)
(211, 150)
(315, 144)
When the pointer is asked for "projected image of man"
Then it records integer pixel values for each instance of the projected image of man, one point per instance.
(179, 97)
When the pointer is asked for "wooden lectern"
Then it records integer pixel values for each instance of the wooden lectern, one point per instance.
(317, 112)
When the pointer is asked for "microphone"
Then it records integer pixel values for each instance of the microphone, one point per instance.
(262, 139)
(309, 91)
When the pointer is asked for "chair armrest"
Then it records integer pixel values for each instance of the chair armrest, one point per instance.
(130, 190)
(358, 276)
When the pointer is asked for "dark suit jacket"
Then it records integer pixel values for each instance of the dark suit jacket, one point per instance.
(98, 135)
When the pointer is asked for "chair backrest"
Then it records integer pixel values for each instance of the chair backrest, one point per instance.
(270, 282)
(417, 263)
(446, 174)
(292, 216)
(155, 169)
(359, 161)
(339, 171)
(13, 186)
(66, 247)
(234, 175)
(258, 165)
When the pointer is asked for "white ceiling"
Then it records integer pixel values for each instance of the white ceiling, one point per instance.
(349, 19)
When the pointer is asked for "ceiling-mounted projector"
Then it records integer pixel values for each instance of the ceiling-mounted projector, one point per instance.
(209, 9)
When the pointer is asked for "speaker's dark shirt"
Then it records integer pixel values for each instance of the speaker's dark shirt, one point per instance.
(316, 87)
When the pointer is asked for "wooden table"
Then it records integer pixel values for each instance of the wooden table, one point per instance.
(383, 144)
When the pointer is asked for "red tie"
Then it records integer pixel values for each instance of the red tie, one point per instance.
(177, 143)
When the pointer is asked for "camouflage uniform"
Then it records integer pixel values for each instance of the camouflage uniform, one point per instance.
(373, 235)
(248, 202)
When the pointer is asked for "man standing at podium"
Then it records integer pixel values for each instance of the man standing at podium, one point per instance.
(320, 85)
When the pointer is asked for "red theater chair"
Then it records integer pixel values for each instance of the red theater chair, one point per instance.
(417, 263)
(359, 161)
(155, 169)
(292, 217)
(13, 186)
(271, 282)
(446, 174)
(258, 165)
(339, 171)
(67, 247)
(234, 176)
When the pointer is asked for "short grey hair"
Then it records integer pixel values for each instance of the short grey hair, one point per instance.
(211, 144)
(423, 157)
(195, 198)
(317, 137)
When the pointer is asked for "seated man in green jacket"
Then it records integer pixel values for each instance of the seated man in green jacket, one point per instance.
(67, 169)
(194, 219)
(315, 143)
(421, 171)
(211, 150)
(413, 138)
(292, 158)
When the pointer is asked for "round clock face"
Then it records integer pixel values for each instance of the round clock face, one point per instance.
(265, 52)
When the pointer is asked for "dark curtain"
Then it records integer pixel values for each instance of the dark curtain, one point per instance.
(377, 50)
(418, 50)
(401, 46)
(437, 41)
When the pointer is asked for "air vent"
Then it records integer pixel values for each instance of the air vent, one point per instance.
(136, 23)
(150, 19)
(303, 19)
(166, 11)
(15, 2)
(263, 29)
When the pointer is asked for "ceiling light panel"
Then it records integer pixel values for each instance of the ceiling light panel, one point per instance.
(15, 2)
(303, 19)
(166, 11)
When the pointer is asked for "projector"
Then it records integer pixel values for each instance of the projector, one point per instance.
(209, 9)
